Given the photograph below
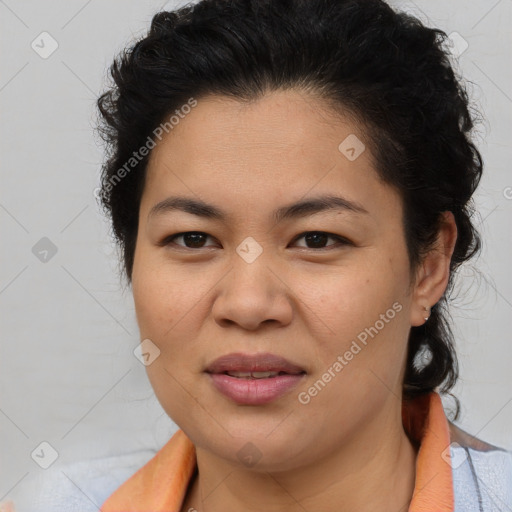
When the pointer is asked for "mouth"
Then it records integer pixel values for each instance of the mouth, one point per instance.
(254, 379)
(256, 366)
(258, 375)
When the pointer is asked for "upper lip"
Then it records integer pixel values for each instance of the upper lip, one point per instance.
(239, 362)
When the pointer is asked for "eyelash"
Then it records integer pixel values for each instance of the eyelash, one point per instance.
(343, 241)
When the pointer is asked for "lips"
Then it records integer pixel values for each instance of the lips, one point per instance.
(254, 379)
(255, 366)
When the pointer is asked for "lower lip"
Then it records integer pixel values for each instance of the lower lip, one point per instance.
(254, 391)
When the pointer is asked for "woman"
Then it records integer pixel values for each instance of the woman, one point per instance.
(290, 184)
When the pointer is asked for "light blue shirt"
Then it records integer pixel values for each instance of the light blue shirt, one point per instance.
(482, 482)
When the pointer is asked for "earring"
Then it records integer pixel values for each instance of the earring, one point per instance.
(427, 309)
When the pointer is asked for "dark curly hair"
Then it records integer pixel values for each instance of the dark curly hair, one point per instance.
(385, 68)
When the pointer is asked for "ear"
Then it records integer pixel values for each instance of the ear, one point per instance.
(434, 272)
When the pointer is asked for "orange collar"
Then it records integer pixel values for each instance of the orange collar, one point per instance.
(161, 484)
(425, 422)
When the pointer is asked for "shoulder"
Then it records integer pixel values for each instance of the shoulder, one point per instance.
(463, 438)
(80, 486)
(482, 473)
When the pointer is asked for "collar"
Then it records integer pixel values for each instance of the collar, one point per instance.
(161, 484)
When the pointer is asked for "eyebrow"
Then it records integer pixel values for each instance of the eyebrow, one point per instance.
(295, 210)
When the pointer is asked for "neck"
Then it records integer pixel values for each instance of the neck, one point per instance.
(374, 470)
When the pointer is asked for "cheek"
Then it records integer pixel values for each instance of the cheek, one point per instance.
(365, 317)
(151, 305)
(351, 299)
(164, 297)
(170, 308)
(164, 305)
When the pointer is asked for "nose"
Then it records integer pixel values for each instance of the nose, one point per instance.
(252, 294)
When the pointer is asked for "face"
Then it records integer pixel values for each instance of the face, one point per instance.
(325, 288)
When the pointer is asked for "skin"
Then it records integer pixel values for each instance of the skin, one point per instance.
(346, 449)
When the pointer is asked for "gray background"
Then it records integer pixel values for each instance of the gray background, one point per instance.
(68, 374)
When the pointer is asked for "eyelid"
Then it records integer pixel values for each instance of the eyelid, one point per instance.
(340, 239)
(168, 240)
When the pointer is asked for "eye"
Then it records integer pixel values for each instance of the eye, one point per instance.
(192, 239)
(319, 238)
(196, 240)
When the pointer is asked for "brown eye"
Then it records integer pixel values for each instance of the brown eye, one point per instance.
(318, 239)
(313, 240)
(191, 239)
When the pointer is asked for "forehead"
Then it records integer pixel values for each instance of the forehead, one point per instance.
(278, 122)
(278, 148)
